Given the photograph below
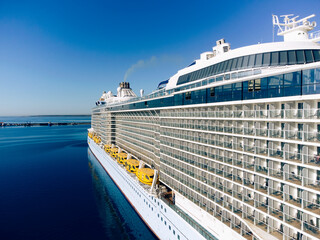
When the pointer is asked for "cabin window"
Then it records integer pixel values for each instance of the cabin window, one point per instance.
(257, 84)
(258, 62)
(266, 59)
(240, 59)
(309, 57)
(245, 62)
(300, 57)
(274, 58)
(251, 61)
(292, 59)
(316, 55)
(234, 64)
(283, 58)
(212, 92)
(188, 95)
(250, 85)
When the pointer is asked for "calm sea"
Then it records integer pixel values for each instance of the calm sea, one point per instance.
(52, 187)
(44, 119)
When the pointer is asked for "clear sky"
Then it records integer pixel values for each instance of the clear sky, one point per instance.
(56, 57)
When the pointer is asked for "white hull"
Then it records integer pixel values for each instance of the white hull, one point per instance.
(147, 206)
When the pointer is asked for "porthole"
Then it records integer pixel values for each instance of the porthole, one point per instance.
(169, 227)
(158, 204)
(161, 207)
(165, 210)
(158, 215)
(165, 223)
(152, 208)
(174, 232)
(161, 219)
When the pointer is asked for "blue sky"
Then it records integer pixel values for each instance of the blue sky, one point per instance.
(56, 57)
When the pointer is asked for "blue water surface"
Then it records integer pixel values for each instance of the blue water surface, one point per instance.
(45, 119)
(51, 187)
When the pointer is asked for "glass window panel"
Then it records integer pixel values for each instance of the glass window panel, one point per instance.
(214, 69)
(250, 85)
(311, 89)
(227, 87)
(212, 92)
(210, 70)
(197, 74)
(201, 73)
(309, 57)
(205, 72)
(316, 54)
(274, 58)
(224, 65)
(192, 76)
(251, 60)
(275, 81)
(300, 56)
(258, 62)
(239, 62)
(283, 58)
(245, 62)
(237, 85)
(292, 79)
(292, 59)
(292, 91)
(266, 59)
(228, 65)
(234, 64)
(257, 85)
(218, 68)
(310, 76)
(264, 83)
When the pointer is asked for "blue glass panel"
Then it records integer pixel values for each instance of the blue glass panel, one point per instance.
(251, 61)
(316, 55)
(308, 76)
(275, 92)
(275, 81)
(309, 56)
(300, 56)
(239, 63)
(283, 58)
(274, 58)
(234, 64)
(292, 79)
(292, 59)
(266, 59)
(258, 62)
(292, 91)
(311, 89)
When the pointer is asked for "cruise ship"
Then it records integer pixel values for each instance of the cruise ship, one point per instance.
(228, 147)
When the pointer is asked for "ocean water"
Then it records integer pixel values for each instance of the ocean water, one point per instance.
(45, 119)
(52, 187)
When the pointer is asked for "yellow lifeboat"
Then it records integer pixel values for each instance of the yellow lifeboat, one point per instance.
(97, 139)
(90, 134)
(145, 175)
(114, 152)
(132, 165)
(122, 157)
(107, 147)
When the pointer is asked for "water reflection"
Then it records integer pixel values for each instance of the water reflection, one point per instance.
(118, 217)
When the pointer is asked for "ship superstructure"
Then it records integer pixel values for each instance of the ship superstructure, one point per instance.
(234, 138)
